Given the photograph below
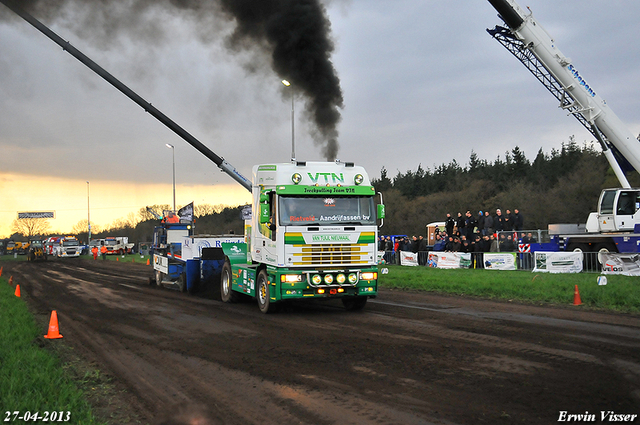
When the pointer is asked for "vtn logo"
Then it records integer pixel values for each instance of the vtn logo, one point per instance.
(335, 178)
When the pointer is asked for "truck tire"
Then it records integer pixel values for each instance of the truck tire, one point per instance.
(263, 294)
(578, 247)
(605, 247)
(227, 294)
(182, 282)
(159, 277)
(354, 303)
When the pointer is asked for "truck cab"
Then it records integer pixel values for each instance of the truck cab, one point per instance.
(618, 210)
(69, 247)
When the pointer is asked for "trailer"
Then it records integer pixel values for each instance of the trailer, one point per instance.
(185, 261)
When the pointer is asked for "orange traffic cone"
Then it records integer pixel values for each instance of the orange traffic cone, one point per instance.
(117, 259)
(1, 270)
(54, 332)
(18, 291)
(576, 297)
(133, 260)
(11, 280)
(147, 261)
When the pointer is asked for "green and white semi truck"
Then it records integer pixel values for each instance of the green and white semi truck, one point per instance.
(312, 234)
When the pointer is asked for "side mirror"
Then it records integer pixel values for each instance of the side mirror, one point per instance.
(381, 211)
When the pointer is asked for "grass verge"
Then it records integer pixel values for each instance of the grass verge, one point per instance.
(621, 294)
(33, 379)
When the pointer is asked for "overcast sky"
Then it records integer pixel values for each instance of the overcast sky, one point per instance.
(423, 83)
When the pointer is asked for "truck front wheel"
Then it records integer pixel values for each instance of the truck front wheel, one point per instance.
(226, 293)
(263, 294)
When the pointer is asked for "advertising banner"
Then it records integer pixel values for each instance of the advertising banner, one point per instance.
(408, 258)
(39, 214)
(500, 260)
(558, 262)
(449, 260)
(624, 264)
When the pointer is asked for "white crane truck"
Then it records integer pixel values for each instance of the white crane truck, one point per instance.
(615, 227)
(313, 229)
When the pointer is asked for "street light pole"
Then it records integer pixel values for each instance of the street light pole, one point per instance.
(293, 140)
(88, 216)
(173, 154)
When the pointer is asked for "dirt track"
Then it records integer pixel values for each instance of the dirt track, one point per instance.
(408, 358)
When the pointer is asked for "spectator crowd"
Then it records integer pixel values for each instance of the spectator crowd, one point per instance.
(468, 234)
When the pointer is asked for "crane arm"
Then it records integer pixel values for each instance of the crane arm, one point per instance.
(526, 39)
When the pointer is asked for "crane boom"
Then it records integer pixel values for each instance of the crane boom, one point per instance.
(526, 39)
(148, 107)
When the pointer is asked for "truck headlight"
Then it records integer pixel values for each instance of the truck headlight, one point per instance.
(316, 279)
(328, 279)
(353, 277)
(290, 278)
(341, 278)
(369, 276)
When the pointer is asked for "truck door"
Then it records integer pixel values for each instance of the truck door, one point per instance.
(626, 212)
(265, 244)
(605, 211)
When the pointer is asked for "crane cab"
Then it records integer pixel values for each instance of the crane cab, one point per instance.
(619, 210)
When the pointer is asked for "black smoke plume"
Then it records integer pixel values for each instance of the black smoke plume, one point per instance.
(294, 34)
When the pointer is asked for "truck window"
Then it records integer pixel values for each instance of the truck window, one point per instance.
(627, 203)
(606, 206)
(340, 210)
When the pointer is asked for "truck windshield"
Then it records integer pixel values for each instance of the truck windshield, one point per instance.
(302, 210)
(110, 242)
(71, 242)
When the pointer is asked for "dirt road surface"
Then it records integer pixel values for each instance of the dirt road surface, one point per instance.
(408, 358)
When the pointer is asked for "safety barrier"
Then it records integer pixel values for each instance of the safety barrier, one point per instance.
(524, 260)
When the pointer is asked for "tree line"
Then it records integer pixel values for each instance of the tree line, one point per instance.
(562, 186)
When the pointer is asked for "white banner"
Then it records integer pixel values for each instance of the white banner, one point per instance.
(558, 262)
(449, 260)
(408, 258)
(625, 264)
(500, 260)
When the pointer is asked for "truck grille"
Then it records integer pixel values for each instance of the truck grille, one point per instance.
(329, 254)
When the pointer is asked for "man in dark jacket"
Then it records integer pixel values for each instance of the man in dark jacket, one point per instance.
(460, 224)
(480, 222)
(449, 224)
(469, 225)
(422, 250)
(518, 220)
(508, 221)
(498, 221)
(414, 244)
(488, 224)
